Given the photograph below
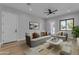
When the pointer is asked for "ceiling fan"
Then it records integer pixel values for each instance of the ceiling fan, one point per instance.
(49, 11)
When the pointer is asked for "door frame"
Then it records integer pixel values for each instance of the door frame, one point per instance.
(2, 41)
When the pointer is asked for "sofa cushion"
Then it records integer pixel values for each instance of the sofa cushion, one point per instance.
(44, 34)
(35, 35)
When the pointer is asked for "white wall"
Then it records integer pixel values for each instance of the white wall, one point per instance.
(24, 24)
(23, 21)
(0, 26)
(74, 15)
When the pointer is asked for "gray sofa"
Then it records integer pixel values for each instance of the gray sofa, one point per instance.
(37, 41)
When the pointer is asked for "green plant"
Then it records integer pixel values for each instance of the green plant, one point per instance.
(75, 31)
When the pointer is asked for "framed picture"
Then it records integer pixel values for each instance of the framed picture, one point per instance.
(33, 25)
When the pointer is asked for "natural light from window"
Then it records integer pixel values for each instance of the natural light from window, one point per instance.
(66, 24)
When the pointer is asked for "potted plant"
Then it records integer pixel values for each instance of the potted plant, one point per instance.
(75, 32)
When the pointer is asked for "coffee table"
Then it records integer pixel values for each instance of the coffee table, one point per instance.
(54, 41)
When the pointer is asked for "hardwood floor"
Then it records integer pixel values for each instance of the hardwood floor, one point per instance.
(20, 48)
(14, 48)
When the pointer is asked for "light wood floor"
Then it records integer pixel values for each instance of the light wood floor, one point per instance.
(14, 48)
(19, 48)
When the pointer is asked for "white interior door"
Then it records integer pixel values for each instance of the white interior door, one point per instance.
(9, 27)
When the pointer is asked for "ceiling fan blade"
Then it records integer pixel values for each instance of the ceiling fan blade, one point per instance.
(53, 13)
(46, 12)
(49, 9)
(55, 10)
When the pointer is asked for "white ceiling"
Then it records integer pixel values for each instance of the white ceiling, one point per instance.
(39, 8)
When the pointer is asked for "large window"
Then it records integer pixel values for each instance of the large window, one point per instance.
(66, 24)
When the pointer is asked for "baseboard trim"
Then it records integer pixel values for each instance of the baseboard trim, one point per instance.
(20, 39)
(16, 40)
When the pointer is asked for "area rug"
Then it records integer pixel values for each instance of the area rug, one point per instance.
(42, 50)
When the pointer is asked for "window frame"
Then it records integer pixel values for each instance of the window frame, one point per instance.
(66, 24)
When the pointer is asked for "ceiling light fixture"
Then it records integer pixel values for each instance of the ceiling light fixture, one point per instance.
(50, 11)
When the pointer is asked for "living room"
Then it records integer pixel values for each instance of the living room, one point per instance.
(26, 26)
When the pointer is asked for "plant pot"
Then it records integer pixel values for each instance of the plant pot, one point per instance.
(78, 41)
